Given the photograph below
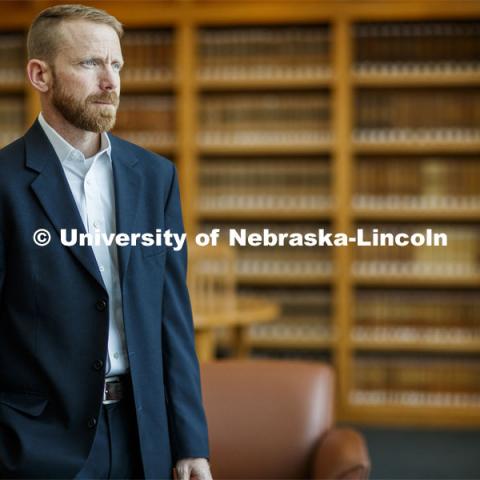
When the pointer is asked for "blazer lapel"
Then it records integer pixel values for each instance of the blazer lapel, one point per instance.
(54, 194)
(128, 185)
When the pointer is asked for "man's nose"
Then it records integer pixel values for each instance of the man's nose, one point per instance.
(109, 79)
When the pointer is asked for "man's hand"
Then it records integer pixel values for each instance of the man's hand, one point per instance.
(193, 469)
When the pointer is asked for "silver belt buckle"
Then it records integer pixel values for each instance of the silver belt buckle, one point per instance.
(109, 380)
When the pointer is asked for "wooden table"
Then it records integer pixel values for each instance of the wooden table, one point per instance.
(247, 311)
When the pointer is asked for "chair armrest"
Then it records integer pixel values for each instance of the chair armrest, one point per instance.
(341, 454)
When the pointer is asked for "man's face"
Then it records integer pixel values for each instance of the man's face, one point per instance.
(86, 75)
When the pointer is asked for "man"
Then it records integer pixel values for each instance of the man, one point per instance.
(98, 373)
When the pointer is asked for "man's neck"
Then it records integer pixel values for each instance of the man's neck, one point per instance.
(87, 142)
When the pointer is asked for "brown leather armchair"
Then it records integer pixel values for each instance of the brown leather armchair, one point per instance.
(274, 419)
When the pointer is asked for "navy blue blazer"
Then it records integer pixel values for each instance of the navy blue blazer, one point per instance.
(54, 324)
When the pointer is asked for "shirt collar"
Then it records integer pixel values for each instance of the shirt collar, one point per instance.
(65, 150)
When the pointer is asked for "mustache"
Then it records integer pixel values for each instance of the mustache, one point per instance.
(109, 97)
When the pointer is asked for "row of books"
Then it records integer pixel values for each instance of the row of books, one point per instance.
(418, 309)
(264, 183)
(314, 355)
(300, 329)
(270, 261)
(148, 55)
(217, 199)
(417, 109)
(305, 314)
(245, 118)
(414, 398)
(398, 182)
(426, 316)
(147, 119)
(418, 182)
(459, 257)
(416, 136)
(264, 52)
(308, 330)
(12, 119)
(415, 70)
(417, 373)
(276, 260)
(12, 58)
(304, 301)
(254, 263)
(417, 334)
(436, 250)
(448, 43)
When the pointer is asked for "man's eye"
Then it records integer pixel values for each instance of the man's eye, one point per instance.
(117, 67)
(89, 63)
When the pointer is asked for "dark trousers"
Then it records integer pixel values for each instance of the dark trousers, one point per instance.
(115, 451)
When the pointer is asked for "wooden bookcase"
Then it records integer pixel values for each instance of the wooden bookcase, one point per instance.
(185, 19)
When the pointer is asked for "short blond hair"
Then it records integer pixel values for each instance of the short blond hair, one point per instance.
(43, 38)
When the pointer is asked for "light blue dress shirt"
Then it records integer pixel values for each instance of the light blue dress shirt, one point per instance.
(91, 182)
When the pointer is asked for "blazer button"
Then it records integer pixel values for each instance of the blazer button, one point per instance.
(97, 365)
(101, 305)
(92, 422)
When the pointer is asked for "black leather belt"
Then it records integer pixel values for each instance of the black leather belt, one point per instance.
(114, 389)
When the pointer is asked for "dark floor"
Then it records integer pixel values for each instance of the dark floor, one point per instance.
(423, 454)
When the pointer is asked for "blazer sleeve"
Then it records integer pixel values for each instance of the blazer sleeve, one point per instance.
(2, 265)
(187, 422)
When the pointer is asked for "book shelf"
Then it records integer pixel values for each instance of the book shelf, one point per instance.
(299, 115)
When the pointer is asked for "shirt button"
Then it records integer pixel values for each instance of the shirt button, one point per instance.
(101, 268)
(92, 422)
(96, 223)
(101, 305)
(116, 355)
(97, 365)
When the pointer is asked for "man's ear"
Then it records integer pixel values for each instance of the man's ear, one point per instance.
(40, 75)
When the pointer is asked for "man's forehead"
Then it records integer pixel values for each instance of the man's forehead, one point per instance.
(81, 35)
